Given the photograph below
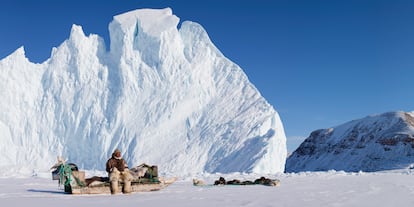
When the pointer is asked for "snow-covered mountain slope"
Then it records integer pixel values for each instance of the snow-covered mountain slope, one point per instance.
(374, 143)
(162, 95)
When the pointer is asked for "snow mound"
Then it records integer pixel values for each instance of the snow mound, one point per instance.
(162, 95)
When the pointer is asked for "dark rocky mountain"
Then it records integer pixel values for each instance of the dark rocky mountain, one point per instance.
(373, 143)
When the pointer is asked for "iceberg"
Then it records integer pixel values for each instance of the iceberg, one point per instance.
(161, 94)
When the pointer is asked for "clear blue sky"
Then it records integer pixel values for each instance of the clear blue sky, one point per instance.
(319, 63)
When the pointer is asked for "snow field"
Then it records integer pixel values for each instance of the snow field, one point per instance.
(332, 188)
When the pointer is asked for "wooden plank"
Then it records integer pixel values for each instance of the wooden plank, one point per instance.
(105, 189)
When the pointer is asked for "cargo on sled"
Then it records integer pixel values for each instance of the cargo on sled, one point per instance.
(145, 178)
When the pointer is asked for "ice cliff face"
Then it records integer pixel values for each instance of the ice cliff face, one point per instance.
(374, 143)
(162, 95)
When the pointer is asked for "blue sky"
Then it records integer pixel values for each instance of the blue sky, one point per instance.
(320, 63)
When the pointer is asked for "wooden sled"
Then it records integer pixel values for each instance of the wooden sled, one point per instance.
(142, 185)
(75, 183)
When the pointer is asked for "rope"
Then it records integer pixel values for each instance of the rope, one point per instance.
(65, 171)
(80, 183)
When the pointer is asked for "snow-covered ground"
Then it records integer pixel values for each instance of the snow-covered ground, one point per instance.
(391, 188)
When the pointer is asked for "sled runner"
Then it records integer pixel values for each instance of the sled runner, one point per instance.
(74, 181)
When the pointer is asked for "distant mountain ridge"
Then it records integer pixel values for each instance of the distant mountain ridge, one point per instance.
(373, 143)
(163, 95)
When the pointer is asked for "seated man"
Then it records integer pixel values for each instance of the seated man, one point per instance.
(118, 171)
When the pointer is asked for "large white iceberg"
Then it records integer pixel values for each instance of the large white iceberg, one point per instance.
(162, 95)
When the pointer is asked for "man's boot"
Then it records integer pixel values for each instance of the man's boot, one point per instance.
(114, 180)
(127, 178)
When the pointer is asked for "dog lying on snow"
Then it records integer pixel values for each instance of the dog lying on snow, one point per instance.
(222, 181)
(198, 182)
